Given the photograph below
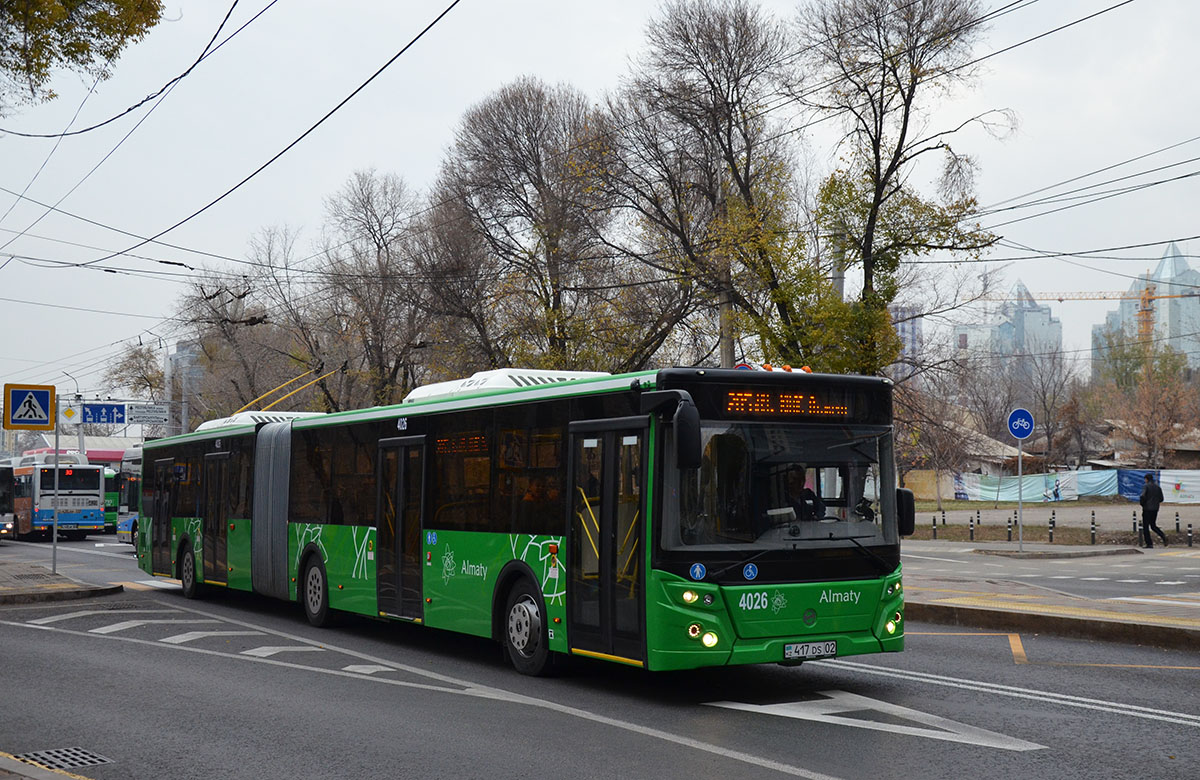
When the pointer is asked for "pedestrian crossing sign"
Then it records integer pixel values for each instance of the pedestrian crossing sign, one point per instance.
(29, 407)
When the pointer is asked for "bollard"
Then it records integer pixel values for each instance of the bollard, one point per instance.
(1189, 534)
(1009, 524)
(1093, 526)
(935, 526)
(1176, 522)
(979, 518)
(943, 518)
(971, 526)
(1052, 526)
(1135, 530)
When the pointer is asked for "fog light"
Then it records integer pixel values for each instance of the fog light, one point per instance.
(689, 597)
(709, 639)
(891, 627)
(694, 630)
(898, 617)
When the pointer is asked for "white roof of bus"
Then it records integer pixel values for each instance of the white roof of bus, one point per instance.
(497, 379)
(254, 418)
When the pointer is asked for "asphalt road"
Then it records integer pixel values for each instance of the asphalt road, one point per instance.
(241, 687)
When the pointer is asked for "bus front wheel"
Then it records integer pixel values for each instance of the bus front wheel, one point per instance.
(314, 593)
(525, 631)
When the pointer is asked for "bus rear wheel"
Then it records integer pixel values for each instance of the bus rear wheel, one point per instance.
(314, 592)
(187, 573)
(525, 631)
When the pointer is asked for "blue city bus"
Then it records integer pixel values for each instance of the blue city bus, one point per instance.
(79, 497)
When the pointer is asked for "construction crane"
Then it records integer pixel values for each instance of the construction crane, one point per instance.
(1145, 297)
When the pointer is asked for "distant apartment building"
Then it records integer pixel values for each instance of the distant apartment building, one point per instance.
(910, 328)
(1019, 327)
(1172, 318)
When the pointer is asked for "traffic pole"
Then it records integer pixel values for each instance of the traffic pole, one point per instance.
(1020, 497)
(38, 476)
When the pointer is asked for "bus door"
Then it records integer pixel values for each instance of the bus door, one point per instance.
(605, 598)
(215, 518)
(160, 517)
(401, 476)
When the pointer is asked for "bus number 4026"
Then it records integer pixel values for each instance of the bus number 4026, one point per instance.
(755, 600)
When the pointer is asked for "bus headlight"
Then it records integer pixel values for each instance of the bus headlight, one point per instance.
(890, 626)
(709, 639)
(694, 630)
(690, 597)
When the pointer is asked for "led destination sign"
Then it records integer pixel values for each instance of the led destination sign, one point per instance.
(779, 403)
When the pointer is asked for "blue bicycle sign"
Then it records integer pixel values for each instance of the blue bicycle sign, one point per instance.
(1020, 423)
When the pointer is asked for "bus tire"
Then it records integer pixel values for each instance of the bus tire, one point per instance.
(314, 592)
(187, 573)
(526, 638)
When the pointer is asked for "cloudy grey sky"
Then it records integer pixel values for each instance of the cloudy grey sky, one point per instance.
(1099, 93)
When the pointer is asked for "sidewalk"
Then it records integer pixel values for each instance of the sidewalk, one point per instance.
(995, 602)
(26, 583)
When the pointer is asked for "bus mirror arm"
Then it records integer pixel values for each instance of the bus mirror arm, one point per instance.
(906, 512)
(685, 420)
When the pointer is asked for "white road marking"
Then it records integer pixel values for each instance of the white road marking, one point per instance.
(84, 613)
(1130, 580)
(127, 624)
(1033, 694)
(267, 652)
(1156, 601)
(366, 668)
(1093, 579)
(1063, 577)
(1171, 582)
(161, 584)
(928, 558)
(179, 639)
(827, 711)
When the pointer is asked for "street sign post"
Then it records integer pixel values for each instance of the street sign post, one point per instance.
(29, 407)
(104, 413)
(147, 414)
(1020, 425)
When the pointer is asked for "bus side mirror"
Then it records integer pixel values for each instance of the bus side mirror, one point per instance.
(906, 511)
(687, 435)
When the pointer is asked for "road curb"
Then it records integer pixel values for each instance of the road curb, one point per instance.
(1167, 637)
(79, 592)
(1059, 554)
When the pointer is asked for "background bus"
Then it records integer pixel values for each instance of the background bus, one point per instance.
(129, 486)
(110, 501)
(664, 520)
(7, 527)
(80, 497)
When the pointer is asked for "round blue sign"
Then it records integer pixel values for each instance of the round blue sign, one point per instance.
(431, 537)
(1020, 423)
(750, 571)
(697, 571)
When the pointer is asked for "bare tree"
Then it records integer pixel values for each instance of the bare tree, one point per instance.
(878, 64)
(1048, 389)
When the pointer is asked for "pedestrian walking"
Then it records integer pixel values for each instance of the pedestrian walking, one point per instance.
(1151, 499)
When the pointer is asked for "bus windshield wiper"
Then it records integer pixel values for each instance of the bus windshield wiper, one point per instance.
(754, 557)
(885, 567)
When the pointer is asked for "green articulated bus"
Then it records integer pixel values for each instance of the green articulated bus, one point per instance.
(666, 519)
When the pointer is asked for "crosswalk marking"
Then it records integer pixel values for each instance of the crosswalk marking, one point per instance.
(179, 639)
(267, 652)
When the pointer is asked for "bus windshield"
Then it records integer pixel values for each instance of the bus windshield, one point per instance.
(71, 479)
(773, 486)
